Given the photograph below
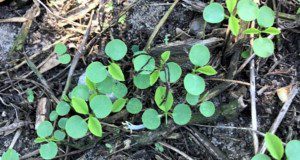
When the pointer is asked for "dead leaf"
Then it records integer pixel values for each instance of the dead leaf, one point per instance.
(51, 63)
(283, 93)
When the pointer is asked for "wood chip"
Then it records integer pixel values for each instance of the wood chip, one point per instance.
(42, 110)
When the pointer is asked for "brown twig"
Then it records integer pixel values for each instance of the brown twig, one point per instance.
(14, 126)
(176, 150)
(228, 80)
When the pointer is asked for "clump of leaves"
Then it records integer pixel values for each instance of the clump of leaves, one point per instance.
(61, 50)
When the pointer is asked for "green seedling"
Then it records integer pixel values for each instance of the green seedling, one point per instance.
(61, 50)
(30, 95)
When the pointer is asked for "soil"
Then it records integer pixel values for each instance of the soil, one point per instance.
(277, 71)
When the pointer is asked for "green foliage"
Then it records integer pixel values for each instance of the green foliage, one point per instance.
(207, 109)
(59, 135)
(214, 13)
(116, 49)
(96, 72)
(48, 150)
(266, 17)
(192, 99)
(172, 72)
(80, 105)
(230, 4)
(63, 108)
(119, 104)
(251, 31)
(62, 123)
(151, 119)
(60, 48)
(292, 150)
(207, 70)
(165, 56)
(45, 129)
(116, 72)
(64, 59)
(274, 145)
(234, 25)
(144, 64)
(134, 106)
(101, 106)
(263, 47)
(119, 90)
(245, 54)
(81, 91)
(159, 147)
(76, 127)
(182, 114)
(154, 77)
(10, 154)
(247, 10)
(30, 95)
(95, 126)
(261, 157)
(199, 55)
(272, 30)
(142, 81)
(53, 116)
(106, 85)
(194, 84)
(163, 99)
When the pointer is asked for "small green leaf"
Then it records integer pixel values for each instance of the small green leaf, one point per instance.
(182, 114)
(292, 150)
(144, 64)
(191, 99)
(274, 145)
(163, 99)
(194, 84)
(64, 59)
(40, 140)
(119, 104)
(247, 10)
(90, 84)
(151, 119)
(154, 77)
(141, 81)
(263, 47)
(207, 70)
(199, 55)
(101, 106)
(106, 85)
(53, 116)
(10, 154)
(81, 91)
(63, 108)
(59, 135)
(45, 129)
(272, 30)
(119, 90)
(60, 48)
(62, 123)
(245, 54)
(135, 48)
(251, 31)
(159, 147)
(214, 13)
(172, 72)
(96, 72)
(30, 95)
(48, 150)
(116, 49)
(95, 126)
(261, 157)
(134, 106)
(266, 17)
(116, 72)
(234, 25)
(76, 127)
(207, 109)
(230, 4)
(80, 105)
(165, 56)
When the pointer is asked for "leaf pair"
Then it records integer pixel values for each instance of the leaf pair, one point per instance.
(61, 50)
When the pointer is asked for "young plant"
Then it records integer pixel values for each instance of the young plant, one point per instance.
(61, 50)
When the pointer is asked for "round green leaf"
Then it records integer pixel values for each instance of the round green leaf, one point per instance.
(134, 106)
(80, 105)
(106, 85)
(48, 150)
(263, 47)
(266, 17)
(119, 90)
(59, 135)
(60, 48)
(191, 99)
(53, 116)
(144, 64)
(194, 84)
(261, 157)
(101, 106)
(76, 127)
(141, 81)
(247, 10)
(207, 108)
(245, 54)
(95, 126)
(62, 123)
(63, 108)
(182, 114)
(116, 72)
(292, 150)
(64, 59)
(213, 13)
(116, 49)
(10, 154)
(163, 100)
(96, 72)
(151, 119)
(81, 91)
(119, 104)
(274, 145)
(172, 72)
(45, 129)
(199, 55)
